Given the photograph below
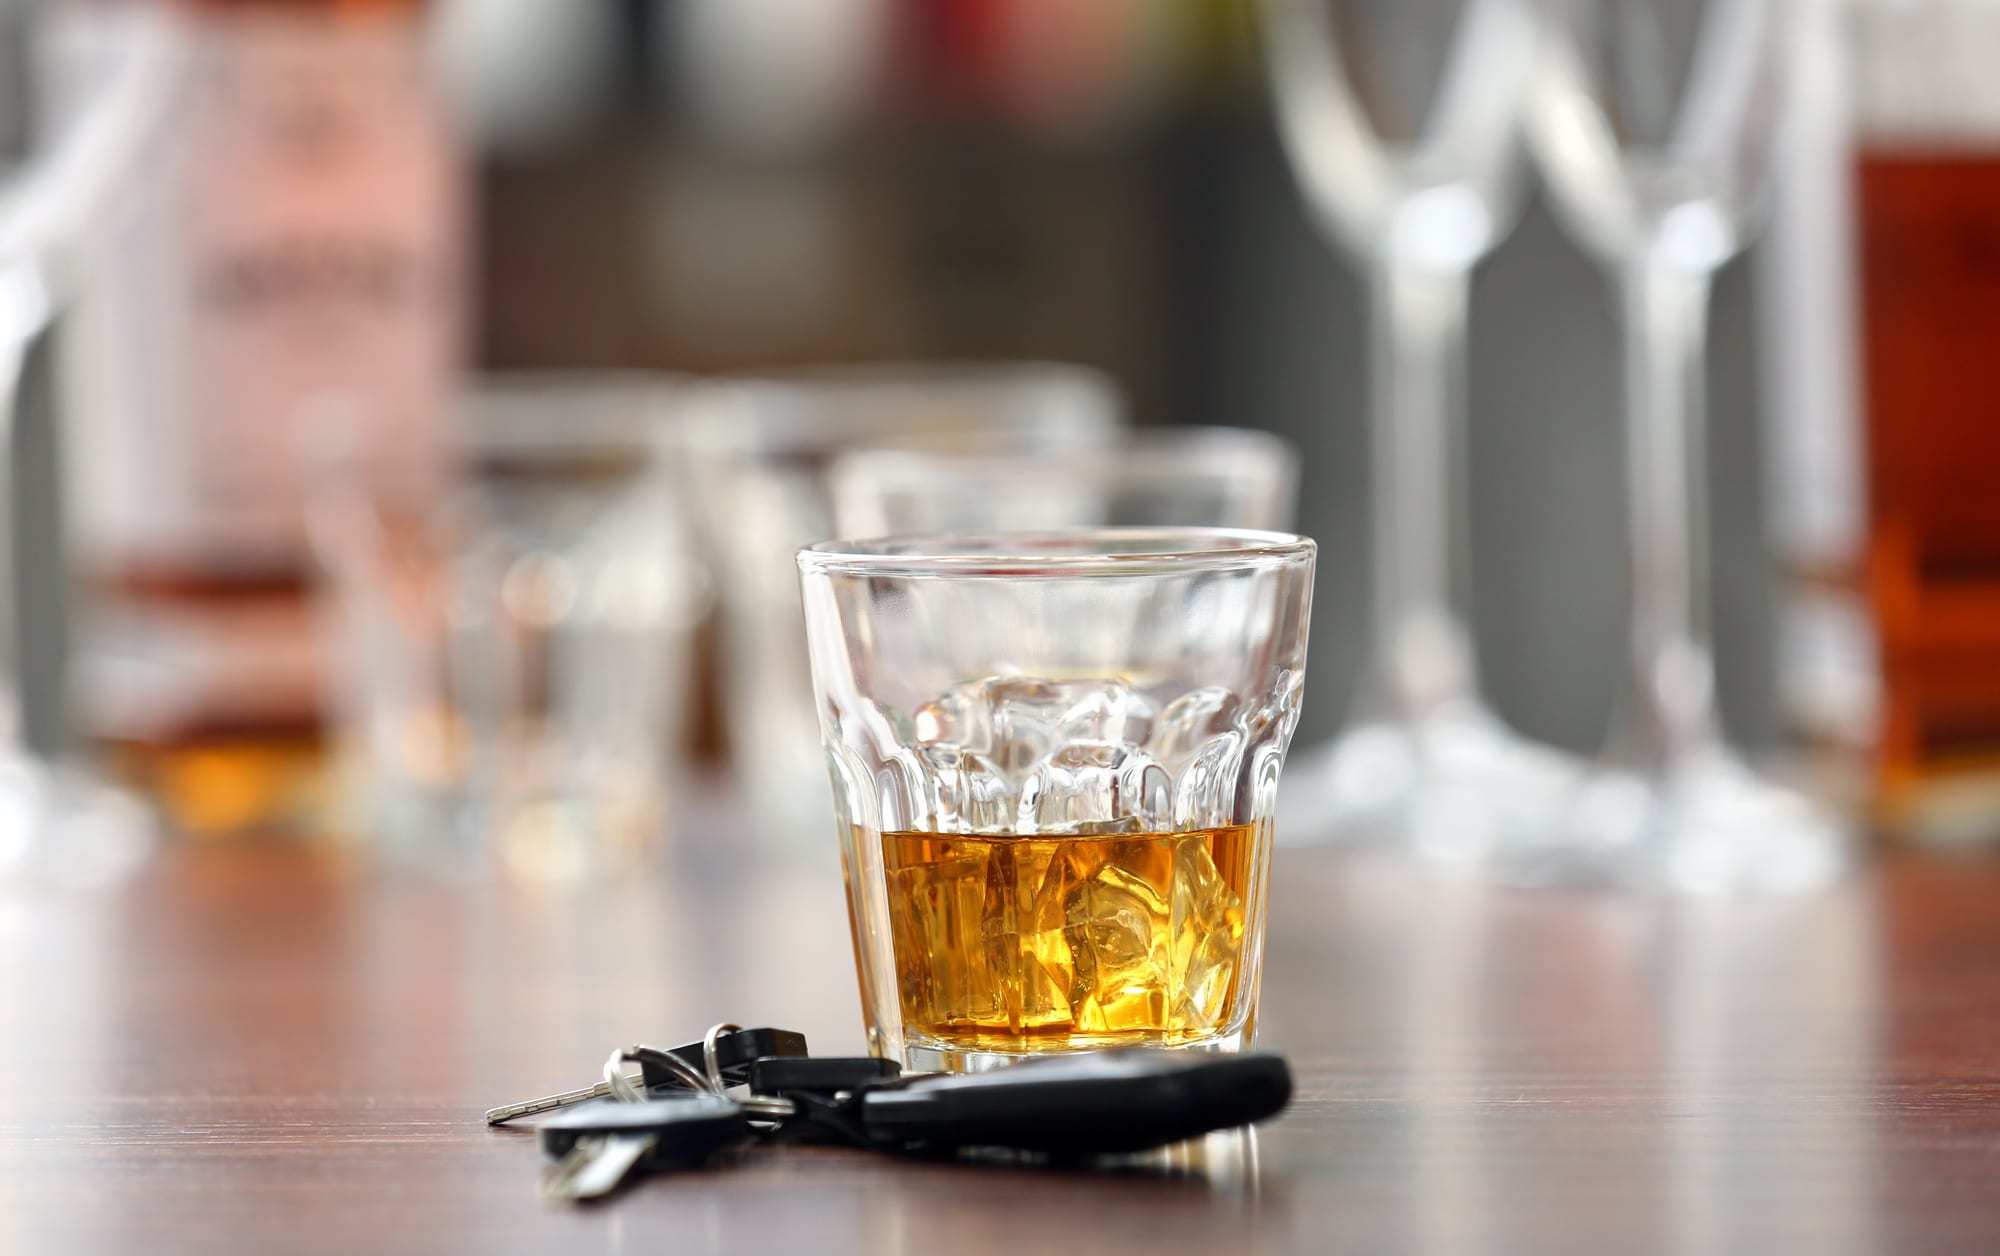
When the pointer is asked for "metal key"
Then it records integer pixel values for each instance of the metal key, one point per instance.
(733, 1051)
(549, 1103)
(598, 1147)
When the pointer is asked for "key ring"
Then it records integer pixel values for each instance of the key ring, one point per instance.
(755, 1105)
(708, 1081)
(625, 1089)
(709, 1057)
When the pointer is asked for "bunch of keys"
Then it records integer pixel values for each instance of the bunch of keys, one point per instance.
(679, 1112)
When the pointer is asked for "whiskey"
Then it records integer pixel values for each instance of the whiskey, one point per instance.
(223, 744)
(1040, 943)
(292, 258)
(1885, 309)
(1930, 279)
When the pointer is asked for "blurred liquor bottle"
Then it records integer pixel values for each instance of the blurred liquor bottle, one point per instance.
(1889, 499)
(301, 256)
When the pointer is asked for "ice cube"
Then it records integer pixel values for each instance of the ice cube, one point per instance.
(966, 793)
(1205, 793)
(1024, 716)
(1106, 711)
(1096, 787)
(1113, 925)
(1207, 936)
(1022, 941)
(956, 716)
(1012, 720)
(1016, 720)
(937, 901)
(1189, 723)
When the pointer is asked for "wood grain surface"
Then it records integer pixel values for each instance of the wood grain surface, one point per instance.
(277, 1050)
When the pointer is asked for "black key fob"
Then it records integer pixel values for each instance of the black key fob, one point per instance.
(823, 1093)
(792, 1075)
(1074, 1106)
(735, 1052)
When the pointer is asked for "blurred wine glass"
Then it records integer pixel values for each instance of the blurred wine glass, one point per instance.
(1653, 122)
(57, 819)
(1401, 121)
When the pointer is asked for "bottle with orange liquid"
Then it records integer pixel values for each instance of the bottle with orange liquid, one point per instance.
(1884, 320)
(302, 240)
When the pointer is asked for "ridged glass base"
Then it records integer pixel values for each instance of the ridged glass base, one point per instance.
(921, 1057)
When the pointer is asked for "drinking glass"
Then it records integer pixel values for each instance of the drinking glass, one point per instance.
(1055, 761)
(514, 650)
(1224, 477)
(58, 818)
(1400, 121)
(1653, 124)
(754, 455)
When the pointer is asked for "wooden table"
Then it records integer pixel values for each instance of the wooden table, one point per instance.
(271, 1050)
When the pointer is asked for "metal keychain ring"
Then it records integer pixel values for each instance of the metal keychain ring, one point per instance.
(709, 1057)
(669, 1062)
(775, 1107)
(621, 1087)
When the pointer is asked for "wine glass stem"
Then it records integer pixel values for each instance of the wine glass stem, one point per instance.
(1670, 717)
(1425, 659)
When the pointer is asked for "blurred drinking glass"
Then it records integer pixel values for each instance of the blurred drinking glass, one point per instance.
(1178, 477)
(1401, 123)
(1654, 123)
(755, 455)
(514, 651)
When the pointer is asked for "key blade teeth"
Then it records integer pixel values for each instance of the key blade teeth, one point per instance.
(547, 1103)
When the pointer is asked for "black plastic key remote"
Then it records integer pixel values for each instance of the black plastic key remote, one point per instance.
(598, 1146)
(735, 1053)
(1074, 1106)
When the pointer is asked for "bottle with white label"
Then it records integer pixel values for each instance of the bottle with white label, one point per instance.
(301, 241)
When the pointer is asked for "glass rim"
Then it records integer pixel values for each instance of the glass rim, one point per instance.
(1065, 553)
(557, 414)
(821, 411)
(1205, 452)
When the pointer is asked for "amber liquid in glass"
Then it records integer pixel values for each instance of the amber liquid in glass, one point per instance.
(1046, 943)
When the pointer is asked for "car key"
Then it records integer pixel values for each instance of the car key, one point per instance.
(790, 1075)
(735, 1050)
(1098, 1104)
(816, 1091)
(598, 1146)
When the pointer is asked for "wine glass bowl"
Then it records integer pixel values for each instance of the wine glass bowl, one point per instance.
(1653, 124)
(1400, 119)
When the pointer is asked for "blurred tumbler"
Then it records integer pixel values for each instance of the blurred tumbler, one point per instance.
(512, 654)
(1202, 477)
(756, 456)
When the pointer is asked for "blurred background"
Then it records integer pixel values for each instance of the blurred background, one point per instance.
(337, 232)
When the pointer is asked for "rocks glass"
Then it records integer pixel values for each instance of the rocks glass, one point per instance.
(1055, 759)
